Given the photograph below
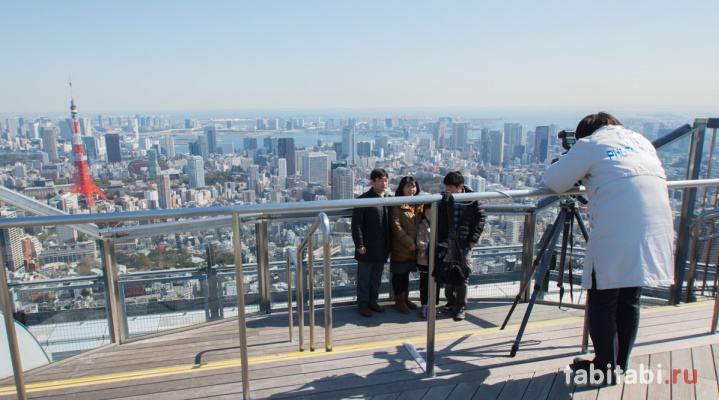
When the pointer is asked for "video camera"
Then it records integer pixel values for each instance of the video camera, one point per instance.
(569, 138)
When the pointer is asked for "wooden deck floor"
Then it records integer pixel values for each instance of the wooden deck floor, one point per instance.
(369, 360)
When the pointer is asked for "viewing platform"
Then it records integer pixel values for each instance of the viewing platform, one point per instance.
(369, 359)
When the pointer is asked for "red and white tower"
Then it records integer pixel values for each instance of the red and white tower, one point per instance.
(82, 183)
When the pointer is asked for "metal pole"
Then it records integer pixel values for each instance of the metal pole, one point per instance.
(239, 282)
(112, 292)
(530, 222)
(12, 342)
(328, 284)
(289, 292)
(300, 299)
(263, 266)
(311, 289)
(432, 290)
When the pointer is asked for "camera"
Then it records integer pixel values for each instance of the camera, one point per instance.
(569, 138)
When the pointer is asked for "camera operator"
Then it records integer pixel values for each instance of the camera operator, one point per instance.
(630, 244)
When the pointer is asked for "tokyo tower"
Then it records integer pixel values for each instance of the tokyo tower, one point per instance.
(82, 183)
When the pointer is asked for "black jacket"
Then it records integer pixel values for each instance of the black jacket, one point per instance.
(470, 226)
(371, 229)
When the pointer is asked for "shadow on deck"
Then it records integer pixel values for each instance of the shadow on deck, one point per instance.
(369, 359)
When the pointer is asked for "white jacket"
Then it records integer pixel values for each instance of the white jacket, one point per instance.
(630, 243)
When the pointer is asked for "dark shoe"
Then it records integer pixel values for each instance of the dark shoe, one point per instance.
(376, 308)
(448, 308)
(459, 316)
(580, 364)
(365, 312)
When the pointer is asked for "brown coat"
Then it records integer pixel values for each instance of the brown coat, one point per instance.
(404, 224)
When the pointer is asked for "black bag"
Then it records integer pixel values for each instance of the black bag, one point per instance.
(450, 264)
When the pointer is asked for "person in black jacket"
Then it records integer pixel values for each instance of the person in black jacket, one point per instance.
(468, 223)
(371, 236)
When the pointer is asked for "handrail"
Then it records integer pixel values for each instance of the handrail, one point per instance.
(306, 206)
(291, 260)
(322, 221)
(695, 231)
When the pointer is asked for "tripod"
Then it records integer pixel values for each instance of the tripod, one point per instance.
(567, 215)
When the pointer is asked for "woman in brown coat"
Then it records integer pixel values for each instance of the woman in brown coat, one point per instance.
(404, 224)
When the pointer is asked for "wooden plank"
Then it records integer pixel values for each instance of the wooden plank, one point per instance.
(388, 396)
(715, 353)
(412, 394)
(611, 392)
(464, 390)
(703, 363)
(560, 388)
(585, 393)
(515, 387)
(633, 390)
(439, 392)
(660, 365)
(681, 362)
(490, 389)
(539, 386)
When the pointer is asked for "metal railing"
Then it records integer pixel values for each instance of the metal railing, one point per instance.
(221, 216)
(320, 222)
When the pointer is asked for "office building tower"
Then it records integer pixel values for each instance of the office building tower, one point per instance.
(49, 142)
(364, 149)
(342, 183)
(168, 146)
(349, 145)
(10, 243)
(100, 122)
(164, 193)
(90, 144)
(438, 129)
(286, 150)
(211, 135)
(112, 146)
(196, 171)
(227, 148)
(194, 148)
(497, 150)
(152, 165)
(382, 142)
(12, 128)
(254, 179)
(314, 168)
(204, 146)
(282, 168)
(85, 127)
(459, 135)
(541, 144)
(33, 131)
(249, 143)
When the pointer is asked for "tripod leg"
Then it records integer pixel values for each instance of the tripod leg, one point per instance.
(525, 283)
(537, 284)
(582, 228)
(566, 233)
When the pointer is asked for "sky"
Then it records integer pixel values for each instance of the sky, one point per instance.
(141, 56)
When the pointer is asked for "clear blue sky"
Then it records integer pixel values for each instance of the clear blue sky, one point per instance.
(170, 55)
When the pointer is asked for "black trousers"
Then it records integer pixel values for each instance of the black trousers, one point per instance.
(613, 324)
(400, 282)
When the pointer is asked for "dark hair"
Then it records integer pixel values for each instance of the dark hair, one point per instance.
(378, 173)
(454, 178)
(592, 122)
(405, 181)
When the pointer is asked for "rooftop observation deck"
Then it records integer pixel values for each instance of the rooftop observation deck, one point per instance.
(225, 333)
(369, 360)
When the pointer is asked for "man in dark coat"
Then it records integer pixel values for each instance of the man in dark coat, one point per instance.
(371, 235)
(468, 219)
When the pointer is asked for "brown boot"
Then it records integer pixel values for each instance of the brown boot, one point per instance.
(408, 303)
(399, 303)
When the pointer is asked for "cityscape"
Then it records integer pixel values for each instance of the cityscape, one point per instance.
(150, 162)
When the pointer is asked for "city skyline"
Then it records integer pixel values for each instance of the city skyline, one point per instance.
(242, 56)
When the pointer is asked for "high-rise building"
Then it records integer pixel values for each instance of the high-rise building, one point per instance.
(314, 168)
(204, 146)
(10, 243)
(90, 144)
(196, 171)
(286, 150)
(342, 183)
(211, 134)
(168, 146)
(112, 144)
(253, 177)
(282, 168)
(497, 151)
(541, 143)
(49, 142)
(153, 167)
(164, 193)
(349, 145)
(459, 135)
(438, 129)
